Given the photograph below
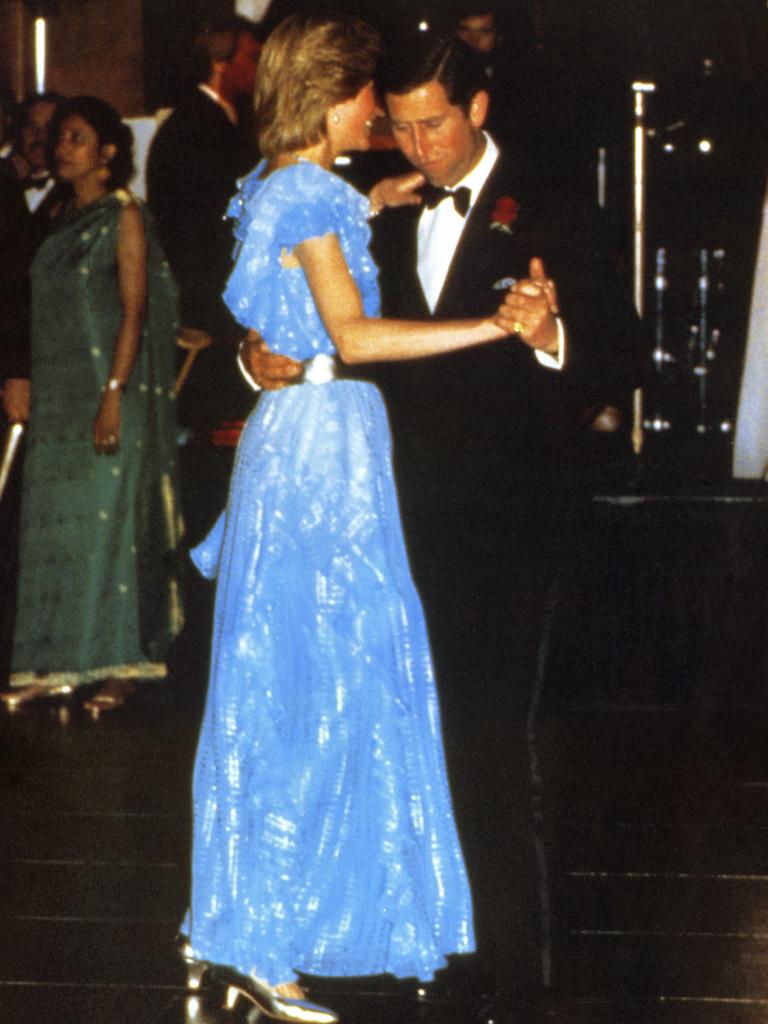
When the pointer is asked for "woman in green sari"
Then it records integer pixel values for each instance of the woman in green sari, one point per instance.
(97, 597)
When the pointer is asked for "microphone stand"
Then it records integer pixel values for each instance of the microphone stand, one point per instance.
(661, 357)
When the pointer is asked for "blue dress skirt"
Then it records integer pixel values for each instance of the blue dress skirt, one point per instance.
(324, 839)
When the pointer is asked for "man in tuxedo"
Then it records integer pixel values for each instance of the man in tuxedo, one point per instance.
(487, 438)
(196, 157)
(485, 444)
(29, 201)
(486, 451)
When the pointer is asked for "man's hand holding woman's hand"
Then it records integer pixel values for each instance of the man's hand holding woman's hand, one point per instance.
(529, 310)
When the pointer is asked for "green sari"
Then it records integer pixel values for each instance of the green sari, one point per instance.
(97, 591)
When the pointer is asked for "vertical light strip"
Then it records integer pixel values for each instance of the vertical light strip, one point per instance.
(40, 56)
(602, 176)
(639, 89)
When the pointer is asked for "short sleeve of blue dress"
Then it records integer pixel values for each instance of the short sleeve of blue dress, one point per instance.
(272, 215)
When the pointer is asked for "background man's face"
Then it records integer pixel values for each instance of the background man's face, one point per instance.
(439, 139)
(34, 134)
(479, 32)
(239, 73)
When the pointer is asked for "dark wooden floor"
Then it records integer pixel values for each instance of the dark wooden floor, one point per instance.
(648, 739)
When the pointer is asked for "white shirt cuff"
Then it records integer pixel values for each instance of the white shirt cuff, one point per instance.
(244, 369)
(554, 361)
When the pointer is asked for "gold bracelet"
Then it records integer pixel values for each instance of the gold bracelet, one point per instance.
(113, 384)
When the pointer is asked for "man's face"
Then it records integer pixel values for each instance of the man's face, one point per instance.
(34, 134)
(239, 73)
(479, 32)
(441, 140)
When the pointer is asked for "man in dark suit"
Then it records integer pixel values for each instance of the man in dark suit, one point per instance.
(195, 159)
(487, 436)
(486, 456)
(30, 199)
(485, 448)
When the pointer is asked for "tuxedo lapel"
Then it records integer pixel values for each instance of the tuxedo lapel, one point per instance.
(394, 248)
(485, 256)
(409, 265)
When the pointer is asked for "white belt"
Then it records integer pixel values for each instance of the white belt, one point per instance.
(320, 369)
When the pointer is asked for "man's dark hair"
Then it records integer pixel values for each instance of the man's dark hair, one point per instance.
(433, 57)
(215, 41)
(474, 8)
(31, 100)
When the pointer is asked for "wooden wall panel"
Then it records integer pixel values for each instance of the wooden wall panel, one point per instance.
(94, 46)
(14, 42)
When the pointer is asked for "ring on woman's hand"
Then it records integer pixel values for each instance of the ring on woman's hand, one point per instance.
(517, 327)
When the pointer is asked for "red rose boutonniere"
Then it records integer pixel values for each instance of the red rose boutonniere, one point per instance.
(504, 214)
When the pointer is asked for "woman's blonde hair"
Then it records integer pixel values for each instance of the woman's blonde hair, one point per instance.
(309, 63)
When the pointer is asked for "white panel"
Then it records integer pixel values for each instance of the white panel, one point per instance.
(750, 454)
(254, 10)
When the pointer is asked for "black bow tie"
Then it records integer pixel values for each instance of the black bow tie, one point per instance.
(38, 182)
(434, 194)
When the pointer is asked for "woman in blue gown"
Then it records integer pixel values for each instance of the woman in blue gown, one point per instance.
(324, 841)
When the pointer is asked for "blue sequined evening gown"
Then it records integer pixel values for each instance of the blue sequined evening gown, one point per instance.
(324, 839)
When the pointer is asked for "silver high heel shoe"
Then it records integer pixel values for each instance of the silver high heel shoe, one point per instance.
(265, 1000)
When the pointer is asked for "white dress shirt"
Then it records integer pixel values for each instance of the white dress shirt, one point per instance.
(34, 196)
(440, 228)
(227, 107)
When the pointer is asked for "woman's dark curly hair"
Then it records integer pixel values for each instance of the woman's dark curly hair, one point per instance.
(110, 130)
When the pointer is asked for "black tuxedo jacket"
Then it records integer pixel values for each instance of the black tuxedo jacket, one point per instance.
(491, 419)
(193, 166)
(21, 233)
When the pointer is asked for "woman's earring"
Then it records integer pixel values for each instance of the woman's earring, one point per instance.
(335, 117)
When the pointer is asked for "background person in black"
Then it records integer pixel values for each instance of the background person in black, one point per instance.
(197, 155)
(29, 202)
(539, 100)
(27, 212)
(7, 115)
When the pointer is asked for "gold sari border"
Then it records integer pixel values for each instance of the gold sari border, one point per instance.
(138, 670)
